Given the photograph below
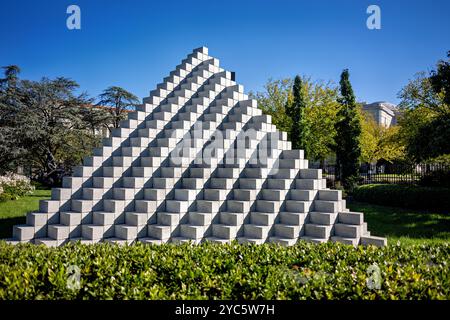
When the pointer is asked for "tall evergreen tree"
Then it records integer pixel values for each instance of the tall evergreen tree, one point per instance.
(296, 111)
(10, 103)
(348, 131)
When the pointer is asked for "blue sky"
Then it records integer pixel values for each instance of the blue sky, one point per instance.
(135, 44)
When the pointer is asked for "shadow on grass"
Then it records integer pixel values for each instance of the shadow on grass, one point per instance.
(14, 212)
(6, 226)
(399, 222)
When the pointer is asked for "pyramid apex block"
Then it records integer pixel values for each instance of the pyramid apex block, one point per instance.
(203, 50)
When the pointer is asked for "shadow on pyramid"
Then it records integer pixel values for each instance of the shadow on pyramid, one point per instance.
(197, 161)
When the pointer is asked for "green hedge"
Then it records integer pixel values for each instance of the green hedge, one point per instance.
(304, 271)
(413, 197)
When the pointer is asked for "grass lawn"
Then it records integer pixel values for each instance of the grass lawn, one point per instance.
(397, 224)
(13, 212)
(405, 225)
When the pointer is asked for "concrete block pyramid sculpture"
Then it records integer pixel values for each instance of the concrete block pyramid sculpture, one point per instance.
(197, 161)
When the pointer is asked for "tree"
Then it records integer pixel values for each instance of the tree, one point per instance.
(52, 120)
(42, 125)
(321, 118)
(432, 140)
(425, 120)
(440, 79)
(379, 142)
(424, 134)
(46, 126)
(420, 93)
(11, 76)
(348, 131)
(273, 101)
(119, 102)
(95, 117)
(296, 111)
(11, 153)
(320, 112)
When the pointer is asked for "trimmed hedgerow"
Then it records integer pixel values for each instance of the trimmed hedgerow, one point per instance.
(211, 271)
(412, 197)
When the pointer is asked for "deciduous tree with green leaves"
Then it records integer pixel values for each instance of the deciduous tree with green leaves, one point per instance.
(440, 80)
(425, 119)
(320, 112)
(379, 142)
(321, 117)
(273, 100)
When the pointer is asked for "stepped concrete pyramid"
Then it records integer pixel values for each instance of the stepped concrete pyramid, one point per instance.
(197, 161)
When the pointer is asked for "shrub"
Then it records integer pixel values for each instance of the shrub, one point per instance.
(212, 271)
(413, 197)
(437, 178)
(443, 159)
(13, 186)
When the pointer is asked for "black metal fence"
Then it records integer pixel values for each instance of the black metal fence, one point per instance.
(410, 174)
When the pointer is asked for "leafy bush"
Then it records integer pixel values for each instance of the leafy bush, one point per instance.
(413, 197)
(39, 185)
(13, 186)
(442, 159)
(437, 178)
(211, 271)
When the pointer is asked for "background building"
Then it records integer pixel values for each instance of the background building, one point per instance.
(384, 113)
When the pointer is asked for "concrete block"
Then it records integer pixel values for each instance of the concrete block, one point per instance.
(262, 218)
(208, 205)
(37, 219)
(323, 218)
(287, 231)
(70, 218)
(356, 218)
(292, 218)
(191, 231)
(23, 232)
(326, 206)
(375, 241)
(159, 232)
(48, 206)
(318, 231)
(224, 231)
(238, 206)
(58, 232)
(126, 232)
(347, 230)
(256, 231)
(103, 218)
